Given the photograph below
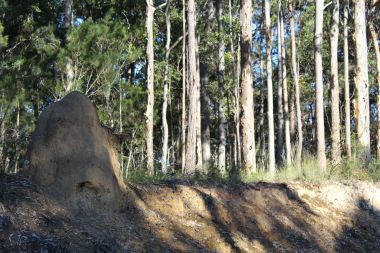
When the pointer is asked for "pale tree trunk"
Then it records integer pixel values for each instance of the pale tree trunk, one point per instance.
(292, 115)
(165, 127)
(184, 78)
(334, 85)
(17, 158)
(318, 39)
(346, 83)
(192, 146)
(247, 106)
(375, 42)
(199, 112)
(206, 145)
(69, 68)
(297, 94)
(361, 80)
(150, 86)
(272, 159)
(288, 145)
(280, 105)
(262, 130)
(222, 119)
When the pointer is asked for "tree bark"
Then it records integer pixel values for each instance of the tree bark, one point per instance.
(69, 68)
(247, 105)
(334, 85)
(347, 103)
(165, 127)
(318, 40)
(192, 146)
(268, 29)
(288, 145)
(297, 94)
(361, 80)
(184, 88)
(222, 119)
(280, 105)
(150, 86)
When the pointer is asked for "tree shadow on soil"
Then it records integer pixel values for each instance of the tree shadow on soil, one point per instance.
(363, 234)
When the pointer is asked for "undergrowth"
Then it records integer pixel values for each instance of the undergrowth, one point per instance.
(307, 170)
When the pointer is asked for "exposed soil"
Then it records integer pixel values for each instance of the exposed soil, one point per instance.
(179, 216)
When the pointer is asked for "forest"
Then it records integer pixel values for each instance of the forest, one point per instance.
(209, 87)
(189, 126)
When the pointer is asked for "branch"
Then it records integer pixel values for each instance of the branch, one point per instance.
(327, 5)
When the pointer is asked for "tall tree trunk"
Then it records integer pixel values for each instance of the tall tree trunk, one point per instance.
(292, 115)
(150, 86)
(318, 40)
(280, 105)
(17, 148)
(334, 85)
(206, 145)
(235, 76)
(297, 94)
(184, 78)
(268, 29)
(247, 119)
(165, 127)
(346, 83)
(222, 119)
(361, 79)
(288, 145)
(375, 42)
(69, 68)
(192, 146)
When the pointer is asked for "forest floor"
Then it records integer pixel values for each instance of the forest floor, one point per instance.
(183, 216)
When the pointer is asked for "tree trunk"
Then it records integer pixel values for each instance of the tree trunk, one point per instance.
(375, 42)
(235, 76)
(361, 80)
(165, 127)
(222, 119)
(318, 39)
(150, 86)
(121, 128)
(292, 115)
(288, 145)
(206, 145)
(184, 88)
(280, 105)
(69, 68)
(247, 119)
(346, 83)
(17, 148)
(192, 145)
(268, 29)
(296, 85)
(334, 85)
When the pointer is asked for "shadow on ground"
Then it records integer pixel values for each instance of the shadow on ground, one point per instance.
(188, 217)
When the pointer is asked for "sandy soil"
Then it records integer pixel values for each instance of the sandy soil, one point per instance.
(179, 216)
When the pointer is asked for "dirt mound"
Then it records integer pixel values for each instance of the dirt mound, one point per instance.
(191, 217)
(74, 157)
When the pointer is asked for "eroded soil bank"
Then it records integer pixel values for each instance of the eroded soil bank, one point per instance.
(179, 216)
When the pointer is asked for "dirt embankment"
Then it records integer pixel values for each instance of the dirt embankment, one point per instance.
(204, 217)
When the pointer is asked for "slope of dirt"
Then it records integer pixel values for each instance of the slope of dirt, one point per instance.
(179, 216)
